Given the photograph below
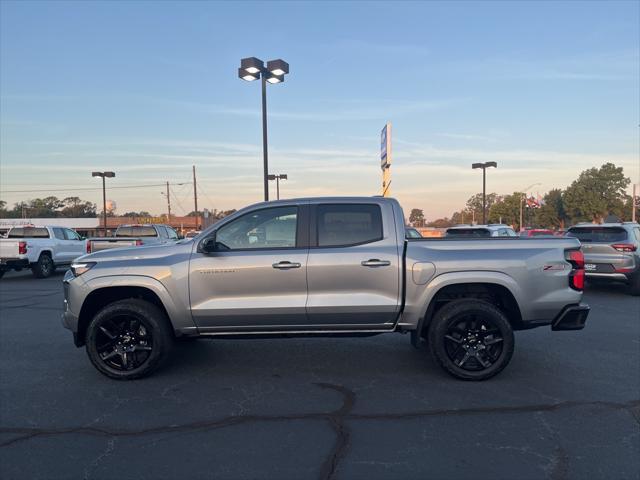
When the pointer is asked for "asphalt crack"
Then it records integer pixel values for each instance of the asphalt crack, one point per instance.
(337, 419)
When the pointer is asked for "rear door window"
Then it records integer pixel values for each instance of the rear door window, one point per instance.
(348, 224)
(59, 233)
(598, 234)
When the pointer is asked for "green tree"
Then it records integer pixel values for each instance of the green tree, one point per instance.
(596, 193)
(440, 223)
(416, 217)
(474, 205)
(74, 207)
(552, 213)
(142, 213)
(506, 209)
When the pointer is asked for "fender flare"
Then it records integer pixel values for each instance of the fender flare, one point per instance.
(179, 315)
(460, 278)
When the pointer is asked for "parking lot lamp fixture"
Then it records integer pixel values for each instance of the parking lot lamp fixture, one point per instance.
(104, 195)
(277, 178)
(484, 167)
(251, 69)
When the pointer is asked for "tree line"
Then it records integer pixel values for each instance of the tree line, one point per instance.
(74, 207)
(596, 194)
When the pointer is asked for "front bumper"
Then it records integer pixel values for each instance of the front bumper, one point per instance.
(572, 317)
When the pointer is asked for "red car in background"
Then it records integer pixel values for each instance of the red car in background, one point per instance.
(537, 232)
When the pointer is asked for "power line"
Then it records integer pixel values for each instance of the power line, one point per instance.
(86, 188)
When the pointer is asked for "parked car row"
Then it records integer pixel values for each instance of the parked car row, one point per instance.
(43, 249)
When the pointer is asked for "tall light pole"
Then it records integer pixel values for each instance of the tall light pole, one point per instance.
(484, 167)
(251, 69)
(524, 194)
(277, 178)
(104, 195)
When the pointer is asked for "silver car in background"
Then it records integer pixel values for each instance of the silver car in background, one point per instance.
(611, 252)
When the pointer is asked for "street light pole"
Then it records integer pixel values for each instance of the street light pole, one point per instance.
(277, 178)
(104, 175)
(484, 167)
(265, 152)
(251, 69)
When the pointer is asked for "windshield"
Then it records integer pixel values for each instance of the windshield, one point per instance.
(598, 234)
(468, 232)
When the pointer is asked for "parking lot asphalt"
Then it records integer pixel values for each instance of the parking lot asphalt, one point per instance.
(567, 407)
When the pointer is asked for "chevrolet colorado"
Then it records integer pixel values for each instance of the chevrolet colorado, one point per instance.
(323, 266)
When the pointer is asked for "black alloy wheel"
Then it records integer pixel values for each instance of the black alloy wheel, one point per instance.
(471, 339)
(124, 342)
(129, 339)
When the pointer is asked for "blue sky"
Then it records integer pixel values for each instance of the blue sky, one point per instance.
(147, 89)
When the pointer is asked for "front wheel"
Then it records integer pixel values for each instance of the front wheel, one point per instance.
(129, 339)
(471, 339)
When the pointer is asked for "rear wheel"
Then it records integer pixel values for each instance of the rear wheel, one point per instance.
(44, 267)
(471, 339)
(1, 273)
(129, 339)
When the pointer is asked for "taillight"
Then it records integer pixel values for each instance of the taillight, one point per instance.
(88, 247)
(624, 247)
(576, 277)
(22, 248)
(138, 243)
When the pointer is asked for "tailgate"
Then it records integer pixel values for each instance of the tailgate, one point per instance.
(9, 248)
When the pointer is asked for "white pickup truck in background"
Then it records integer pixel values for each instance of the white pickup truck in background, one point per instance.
(43, 249)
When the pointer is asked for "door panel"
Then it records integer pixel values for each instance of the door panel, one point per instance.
(257, 277)
(353, 284)
(244, 289)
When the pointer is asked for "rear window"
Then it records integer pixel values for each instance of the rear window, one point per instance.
(468, 232)
(28, 232)
(142, 231)
(598, 234)
(348, 224)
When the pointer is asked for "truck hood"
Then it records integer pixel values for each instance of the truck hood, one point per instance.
(138, 253)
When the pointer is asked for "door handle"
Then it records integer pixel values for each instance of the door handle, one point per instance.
(286, 265)
(374, 262)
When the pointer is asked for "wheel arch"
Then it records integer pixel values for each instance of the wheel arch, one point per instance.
(496, 293)
(105, 290)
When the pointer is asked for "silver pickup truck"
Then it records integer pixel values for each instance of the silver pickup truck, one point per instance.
(323, 266)
(127, 236)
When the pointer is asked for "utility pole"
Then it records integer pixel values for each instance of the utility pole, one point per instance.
(168, 205)
(195, 195)
(633, 204)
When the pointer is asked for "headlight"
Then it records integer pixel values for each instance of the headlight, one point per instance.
(81, 267)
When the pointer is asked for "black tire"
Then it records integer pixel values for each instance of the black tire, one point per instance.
(471, 339)
(1, 273)
(634, 285)
(129, 339)
(44, 267)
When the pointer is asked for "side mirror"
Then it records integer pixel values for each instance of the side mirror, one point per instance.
(209, 244)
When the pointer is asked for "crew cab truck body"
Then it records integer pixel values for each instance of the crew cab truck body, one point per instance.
(43, 249)
(134, 236)
(323, 266)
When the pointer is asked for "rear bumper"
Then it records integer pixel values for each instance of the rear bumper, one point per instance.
(572, 317)
(617, 277)
(10, 263)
